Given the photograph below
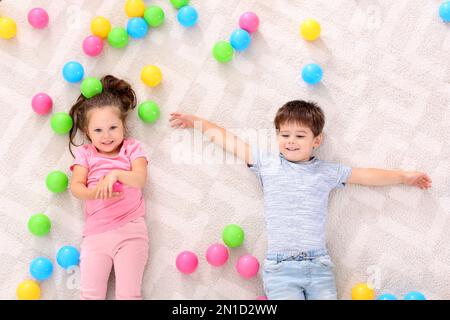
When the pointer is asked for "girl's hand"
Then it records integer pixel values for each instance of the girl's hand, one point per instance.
(417, 179)
(182, 120)
(105, 185)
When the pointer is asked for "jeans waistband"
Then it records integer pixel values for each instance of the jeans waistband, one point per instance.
(297, 256)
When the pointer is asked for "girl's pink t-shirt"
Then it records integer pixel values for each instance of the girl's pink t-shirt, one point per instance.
(103, 215)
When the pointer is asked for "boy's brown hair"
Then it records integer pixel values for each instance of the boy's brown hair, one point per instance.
(306, 113)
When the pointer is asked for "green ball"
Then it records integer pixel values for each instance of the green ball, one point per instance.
(57, 181)
(154, 16)
(90, 87)
(118, 37)
(39, 224)
(223, 51)
(179, 3)
(61, 122)
(148, 111)
(233, 235)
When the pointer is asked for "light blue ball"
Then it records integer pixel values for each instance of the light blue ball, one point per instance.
(41, 268)
(187, 16)
(73, 72)
(387, 296)
(444, 11)
(240, 39)
(137, 28)
(68, 256)
(414, 295)
(312, 73)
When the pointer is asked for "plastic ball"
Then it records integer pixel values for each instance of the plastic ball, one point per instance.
(247, 266)
(154, 16)
(387, 296)
(8, 28)
(312, 73)
(57, 181)
(444, 11)
(148, 112)
(217, 254)
(61, 122)
(117, 187)
(39, 224)
(68, 256)
(134, 8)
(100, 27)
(186, 262)
(310, 29)
(262, 298)
(137, 28)
(233, 235)
(151, 75)
(28, 290)
(73, 72)
(361, 291)
(179, 3)
(93, 45)
(90, 87)
(41, 268)
(42, 103)
(38, 18)
(118, 37)
(414, 295)
(249, 21)
(240, 39)
(187, 16)
(223, 51)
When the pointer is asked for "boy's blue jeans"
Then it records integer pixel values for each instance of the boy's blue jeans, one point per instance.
(305, 276)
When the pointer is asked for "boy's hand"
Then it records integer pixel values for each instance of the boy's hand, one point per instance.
(182, 120)
(417, 179)
(104, 187)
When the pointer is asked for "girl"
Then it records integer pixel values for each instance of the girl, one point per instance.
(115, 231)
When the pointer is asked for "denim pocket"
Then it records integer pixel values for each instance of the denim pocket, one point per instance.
(324, 261)
(272, 265)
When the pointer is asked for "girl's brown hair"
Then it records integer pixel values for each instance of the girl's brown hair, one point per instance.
(116, 92)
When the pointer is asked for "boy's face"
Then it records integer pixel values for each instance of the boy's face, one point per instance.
(297, 142)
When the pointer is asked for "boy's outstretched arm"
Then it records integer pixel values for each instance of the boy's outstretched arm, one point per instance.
(380, 177)
(220, 136)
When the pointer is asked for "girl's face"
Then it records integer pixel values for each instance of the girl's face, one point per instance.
(105, 129)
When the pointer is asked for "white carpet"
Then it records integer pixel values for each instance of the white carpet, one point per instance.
(385, 92)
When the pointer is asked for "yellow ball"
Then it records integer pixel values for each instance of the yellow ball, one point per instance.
(361, 291)
(310, 29)
(100, 26)
(151, 75)
(135, 8)
(8, 28)
(28, 290)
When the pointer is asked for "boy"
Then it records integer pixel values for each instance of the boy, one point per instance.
(296, 187)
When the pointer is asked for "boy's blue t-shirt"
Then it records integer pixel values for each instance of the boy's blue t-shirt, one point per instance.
(296, 200)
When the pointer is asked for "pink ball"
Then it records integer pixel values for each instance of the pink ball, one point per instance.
(117, 187)
(38, 18)
(261, 298)
(92, 45)
(247, 266)
(249, 22)
(42, 103)
(187, 262)
(217, 254)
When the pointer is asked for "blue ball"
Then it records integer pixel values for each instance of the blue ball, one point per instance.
(444, 11)
(68, 256)
(312, 73)
(73, 71)
(387, 296)
(240, 39)
(137, 28)
(415, 295)
(41, 268)
(187, 16)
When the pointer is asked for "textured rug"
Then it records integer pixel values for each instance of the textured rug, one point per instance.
(385, 92)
